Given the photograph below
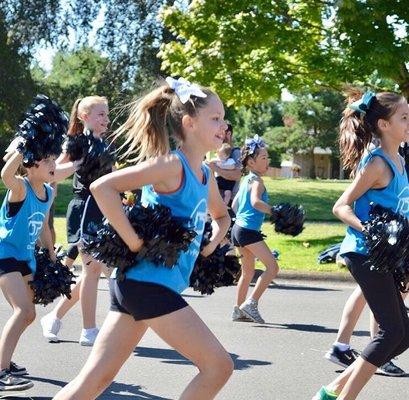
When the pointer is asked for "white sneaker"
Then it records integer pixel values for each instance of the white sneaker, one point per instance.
(249, 309)
(51, 326)
(238, 315)
(88, 336)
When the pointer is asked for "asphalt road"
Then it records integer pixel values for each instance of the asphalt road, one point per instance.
(281, 360)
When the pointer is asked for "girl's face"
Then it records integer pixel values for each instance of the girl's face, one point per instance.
(397, 127)
(260, 163)
(97, 120)
(207, 127)
(45, 169)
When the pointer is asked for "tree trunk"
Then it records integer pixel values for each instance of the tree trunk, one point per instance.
(312, 169)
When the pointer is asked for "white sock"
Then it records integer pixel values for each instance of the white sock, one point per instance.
(342, 346)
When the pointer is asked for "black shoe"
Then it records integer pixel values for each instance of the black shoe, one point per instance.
(17, 370)
(390, 369)
(9, 382)
(342, 358)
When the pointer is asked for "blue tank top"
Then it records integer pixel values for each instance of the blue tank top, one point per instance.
(189, 201)
(394, 196)
(18, 234)
(247, 216)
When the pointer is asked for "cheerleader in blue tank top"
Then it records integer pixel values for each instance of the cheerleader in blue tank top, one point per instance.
(149, 296)
(250, 205)
(380, 177)
(22, 215)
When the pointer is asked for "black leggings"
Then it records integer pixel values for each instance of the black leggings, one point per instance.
(385, 301)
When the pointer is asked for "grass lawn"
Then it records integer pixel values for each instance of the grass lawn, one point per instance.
(298, 253)
(317, 196)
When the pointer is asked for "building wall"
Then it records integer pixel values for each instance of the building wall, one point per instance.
(323, 167)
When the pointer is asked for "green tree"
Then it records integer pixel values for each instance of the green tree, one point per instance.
(310, 121)
(248, 51)
(16, 85)
(80, 73)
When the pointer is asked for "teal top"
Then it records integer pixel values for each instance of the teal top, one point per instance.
(18, 234)
(394, 196)
(189, 201)
(247, 216)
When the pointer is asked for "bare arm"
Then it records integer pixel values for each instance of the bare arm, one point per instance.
(11, 181)
(229, 174)
(163, 172)
(64, 170)
(46, 238)
(220, 217)
(257, 190)
(375, 175)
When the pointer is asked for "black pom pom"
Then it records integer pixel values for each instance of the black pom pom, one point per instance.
(42, 131)
(96, 154)
(213, 271)
(288, 219)
(164, 236)
(386, 238)
(51, 279)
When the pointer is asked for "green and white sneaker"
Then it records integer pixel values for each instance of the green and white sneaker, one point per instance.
(323, 394)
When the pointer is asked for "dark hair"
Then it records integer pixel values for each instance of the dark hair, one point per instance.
(245, 156)
(153, 119)
(229, 128)
(357, 129)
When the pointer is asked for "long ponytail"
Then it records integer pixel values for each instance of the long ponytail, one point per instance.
(153, 120)
(75, 126)
(358, 128)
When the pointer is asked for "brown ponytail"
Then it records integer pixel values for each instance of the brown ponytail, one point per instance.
(357, 130)
(75, 126)
(152, 120)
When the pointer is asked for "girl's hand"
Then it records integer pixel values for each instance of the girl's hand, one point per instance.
(136, 244)
(209, 249)
(52, 256)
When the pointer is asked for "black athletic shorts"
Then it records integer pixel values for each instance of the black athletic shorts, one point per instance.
(8, 265)
(84, 218)
(243, 237)
(143, 300)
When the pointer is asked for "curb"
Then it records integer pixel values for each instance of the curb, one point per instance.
(311, 276)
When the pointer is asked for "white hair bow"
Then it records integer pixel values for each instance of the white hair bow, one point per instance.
(184, 89)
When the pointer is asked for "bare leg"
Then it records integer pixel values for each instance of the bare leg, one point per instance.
(247, 273)
(350, 383)
(193, 339)
(65, 304)
(352, 311)
(263, 253)
(20, 297)
(117, 339)
(91, 270)
(121, 333)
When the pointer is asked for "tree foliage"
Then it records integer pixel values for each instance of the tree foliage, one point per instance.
(248, 51)
(80, 73)
(311, 120)
(16, 84)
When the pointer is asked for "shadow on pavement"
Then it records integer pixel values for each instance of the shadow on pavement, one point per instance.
(307, 328)
(170, 356)
(114, 391)
(306, 288)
